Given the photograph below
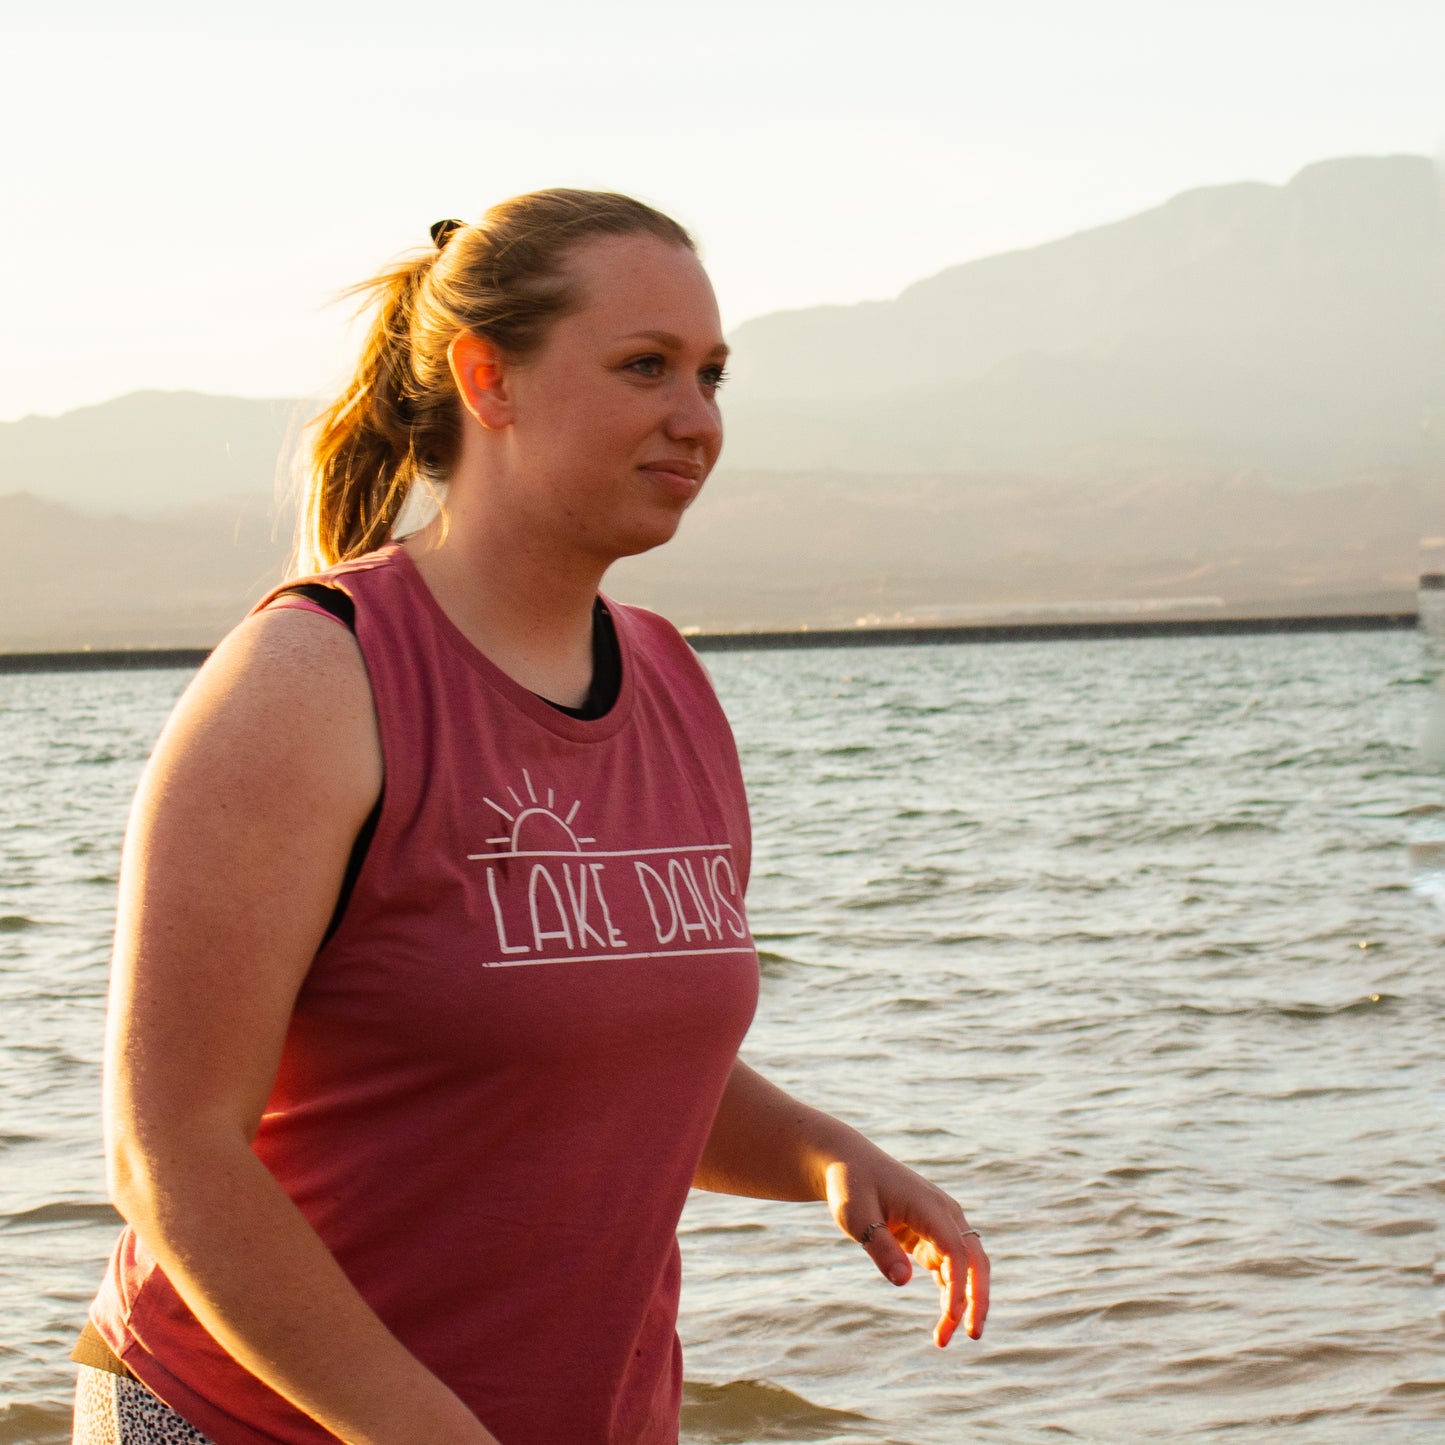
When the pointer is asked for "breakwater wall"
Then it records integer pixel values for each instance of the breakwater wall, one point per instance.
(121, 659)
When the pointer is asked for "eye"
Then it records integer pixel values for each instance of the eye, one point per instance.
(713, 376)
(648, 365)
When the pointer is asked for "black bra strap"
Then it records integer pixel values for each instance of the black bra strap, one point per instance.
(333, 599)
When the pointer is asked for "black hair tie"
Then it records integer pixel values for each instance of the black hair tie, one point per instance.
(441, 231)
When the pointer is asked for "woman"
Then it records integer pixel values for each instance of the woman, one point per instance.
(431, 961)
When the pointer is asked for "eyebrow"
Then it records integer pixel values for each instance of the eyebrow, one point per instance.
(671, 341)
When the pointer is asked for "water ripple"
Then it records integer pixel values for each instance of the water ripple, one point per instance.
(1133, 945)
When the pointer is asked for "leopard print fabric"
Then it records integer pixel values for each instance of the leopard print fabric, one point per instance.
(113, 1410)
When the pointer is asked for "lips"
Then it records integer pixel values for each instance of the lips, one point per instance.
(675, 475)
(678, 466)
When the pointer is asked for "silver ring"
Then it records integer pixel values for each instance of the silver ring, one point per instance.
(967, 1232)
(868, 1233)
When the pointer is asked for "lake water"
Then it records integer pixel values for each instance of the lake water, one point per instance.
(1134, 945)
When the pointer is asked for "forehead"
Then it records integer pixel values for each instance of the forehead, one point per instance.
(640, 283)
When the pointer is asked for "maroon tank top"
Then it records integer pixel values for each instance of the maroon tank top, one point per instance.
(503, 1066)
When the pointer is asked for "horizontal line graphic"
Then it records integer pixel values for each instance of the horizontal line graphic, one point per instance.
(606, 853)
(607, 957)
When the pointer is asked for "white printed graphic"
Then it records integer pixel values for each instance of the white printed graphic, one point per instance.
(555, 901)
(534, 809)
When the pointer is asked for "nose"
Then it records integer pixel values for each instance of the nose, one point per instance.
(695, 419)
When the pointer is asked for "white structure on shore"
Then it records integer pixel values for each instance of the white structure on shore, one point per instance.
(1432, 587)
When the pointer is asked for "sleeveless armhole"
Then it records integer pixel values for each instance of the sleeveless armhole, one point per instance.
(339, 605)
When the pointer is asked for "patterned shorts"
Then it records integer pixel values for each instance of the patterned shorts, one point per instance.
(114, 1410)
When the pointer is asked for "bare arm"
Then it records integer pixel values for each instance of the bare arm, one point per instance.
(237, 843)
(769, 1145)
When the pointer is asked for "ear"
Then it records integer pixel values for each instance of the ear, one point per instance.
(480, 374)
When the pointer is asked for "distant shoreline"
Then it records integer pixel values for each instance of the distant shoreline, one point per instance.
(151, 658)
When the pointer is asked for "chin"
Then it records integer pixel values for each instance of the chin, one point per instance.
(646, 539)
(636, 549)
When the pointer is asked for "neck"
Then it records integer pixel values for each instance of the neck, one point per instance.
(526, 606)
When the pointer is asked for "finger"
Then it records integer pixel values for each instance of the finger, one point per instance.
(962, 1274)
(976, 1287)
(948, 1319)
(884, 1250)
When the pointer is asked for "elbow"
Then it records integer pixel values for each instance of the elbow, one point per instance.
(129, 1176)
(159, 1171)
(146, 1169)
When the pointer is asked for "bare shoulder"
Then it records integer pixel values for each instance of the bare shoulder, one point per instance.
(287, 657)
(286, 690)
(263, 775)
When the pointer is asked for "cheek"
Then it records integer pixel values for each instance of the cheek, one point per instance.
(566, 441)
(583, 441)
(598, 422)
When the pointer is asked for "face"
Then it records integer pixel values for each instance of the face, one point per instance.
(614, 423)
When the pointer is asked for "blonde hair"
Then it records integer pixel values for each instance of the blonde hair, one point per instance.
(397, 423)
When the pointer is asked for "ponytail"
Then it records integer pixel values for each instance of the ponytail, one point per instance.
(397, 423)
(363, 447)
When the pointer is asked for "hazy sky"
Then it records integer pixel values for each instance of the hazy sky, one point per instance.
(185, 186)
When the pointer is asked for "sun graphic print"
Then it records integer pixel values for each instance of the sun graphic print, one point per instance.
(533, 816)
(556, 898)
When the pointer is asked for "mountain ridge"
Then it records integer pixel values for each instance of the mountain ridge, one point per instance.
(1242, 356)
(1187, 227)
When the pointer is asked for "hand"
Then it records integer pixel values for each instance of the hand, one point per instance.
(894, 1214)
